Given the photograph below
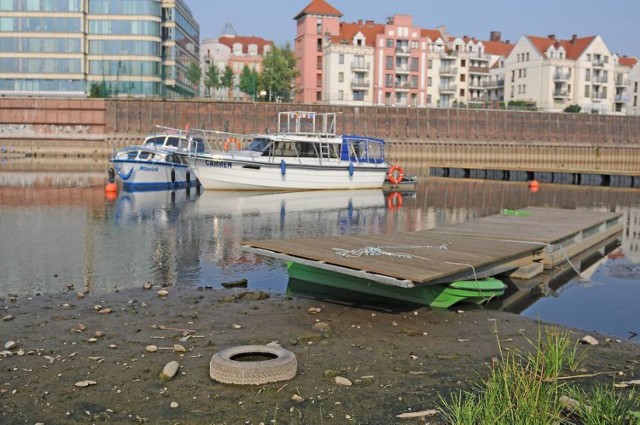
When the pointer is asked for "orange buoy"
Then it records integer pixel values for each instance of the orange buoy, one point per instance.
(534, 186)
(395, 174)
(394, 200)
(111, 188)
(111, 196)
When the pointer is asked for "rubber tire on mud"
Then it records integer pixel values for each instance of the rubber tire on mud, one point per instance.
(226, 370)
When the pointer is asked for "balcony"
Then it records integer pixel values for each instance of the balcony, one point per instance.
(475, 84)
(493, 83)
(448, 70)
(622, 98)
(318, 83)
(402, 69)
(448, 55)
(598, 79)
(479, 56)
(360, 66)
(599, 63)
(623, 82)
(403, 51)
(561, 76)
(478, 70)
(359, 84)
(598, 96)
(402, 85)
(560, 94)
(450, 88)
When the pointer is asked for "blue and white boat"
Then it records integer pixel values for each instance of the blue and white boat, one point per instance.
(148, 167)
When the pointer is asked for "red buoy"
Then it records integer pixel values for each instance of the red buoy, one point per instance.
(111, 188)
(534, 186)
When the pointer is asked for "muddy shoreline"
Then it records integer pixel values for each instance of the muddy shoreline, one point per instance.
(398, 362)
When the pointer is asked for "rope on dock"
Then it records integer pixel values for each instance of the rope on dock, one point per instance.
(383, 250)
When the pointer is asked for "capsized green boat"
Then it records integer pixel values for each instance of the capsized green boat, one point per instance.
(438, 296)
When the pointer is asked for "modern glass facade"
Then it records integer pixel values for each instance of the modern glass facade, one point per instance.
(70, 47)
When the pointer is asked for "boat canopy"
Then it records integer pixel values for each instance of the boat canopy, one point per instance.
(359, 149)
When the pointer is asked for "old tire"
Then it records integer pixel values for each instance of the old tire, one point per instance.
(227, 366)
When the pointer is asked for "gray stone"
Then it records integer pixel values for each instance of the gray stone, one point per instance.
(169, 371)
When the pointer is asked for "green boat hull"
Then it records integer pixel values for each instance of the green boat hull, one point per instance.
(438, 296)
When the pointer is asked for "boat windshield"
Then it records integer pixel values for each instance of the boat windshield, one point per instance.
(259, 144)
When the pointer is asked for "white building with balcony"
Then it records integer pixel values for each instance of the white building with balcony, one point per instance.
(348, 64)
(554, 74)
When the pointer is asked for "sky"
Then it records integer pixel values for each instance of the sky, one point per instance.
(616, 21)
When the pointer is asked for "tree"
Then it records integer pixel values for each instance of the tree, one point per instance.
(194, 74)
(249, 81)
(212, 78)
(279, 73)
(227, 79)
(573, 109)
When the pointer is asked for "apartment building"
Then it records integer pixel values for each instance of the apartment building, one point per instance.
(554, 73)
(624, 96)
(129, 47)
(633, 106)
(395, 63)
(234, 51)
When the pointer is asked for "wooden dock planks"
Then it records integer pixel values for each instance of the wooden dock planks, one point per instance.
(474, 249)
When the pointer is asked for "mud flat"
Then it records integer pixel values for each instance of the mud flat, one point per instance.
(85, 359)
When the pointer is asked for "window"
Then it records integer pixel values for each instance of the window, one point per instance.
(589, 56)
(635, 101)
(319, 26)
(463, 63)
(340, 95)
(524, 89)
(524, 73)
(319, 62)
(388, 80)
(587, 74)
(389, 42)
(430, 64)
(428, 81)
(359, 42)
(318, 96)
(519, 73)
(587, 89)
(414, 64)
(461, 92)
(389, 62)
(527, 56)
(358, 95)
(341, 59)
(341, 77)
(635, 87)
(463, 77)
(414, 82)
(428, 99)
(415, 44)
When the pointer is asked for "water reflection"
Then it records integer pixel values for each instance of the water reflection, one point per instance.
(53, 235)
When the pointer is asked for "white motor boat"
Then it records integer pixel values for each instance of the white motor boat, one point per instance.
(147, 167)
(305, 154)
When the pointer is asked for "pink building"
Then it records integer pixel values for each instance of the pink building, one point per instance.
(315, 21)
(398, 55)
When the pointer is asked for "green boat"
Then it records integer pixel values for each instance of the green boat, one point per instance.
(438, 296)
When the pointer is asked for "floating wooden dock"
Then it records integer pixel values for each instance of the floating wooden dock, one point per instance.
(522, 243)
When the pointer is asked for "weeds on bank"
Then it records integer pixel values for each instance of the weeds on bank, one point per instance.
(525, 389)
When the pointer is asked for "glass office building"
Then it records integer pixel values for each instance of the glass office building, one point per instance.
(114, 48)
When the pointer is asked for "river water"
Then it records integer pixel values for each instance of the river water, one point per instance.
(59, 232)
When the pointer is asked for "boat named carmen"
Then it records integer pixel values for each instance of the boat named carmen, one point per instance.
(304, 154)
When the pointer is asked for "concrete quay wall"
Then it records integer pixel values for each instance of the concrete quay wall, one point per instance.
(464, 138)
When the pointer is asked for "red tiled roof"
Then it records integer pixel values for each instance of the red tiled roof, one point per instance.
(574, 47)
(245, 41)
(349, 30)
(319, 7)
(497, 48)
(627, 61)
(433, 35)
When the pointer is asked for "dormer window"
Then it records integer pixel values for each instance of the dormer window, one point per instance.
(237, 48)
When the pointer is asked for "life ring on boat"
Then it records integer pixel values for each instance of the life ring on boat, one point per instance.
(230, 142)
(394, 200)
(253, 365)
(395, 174)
